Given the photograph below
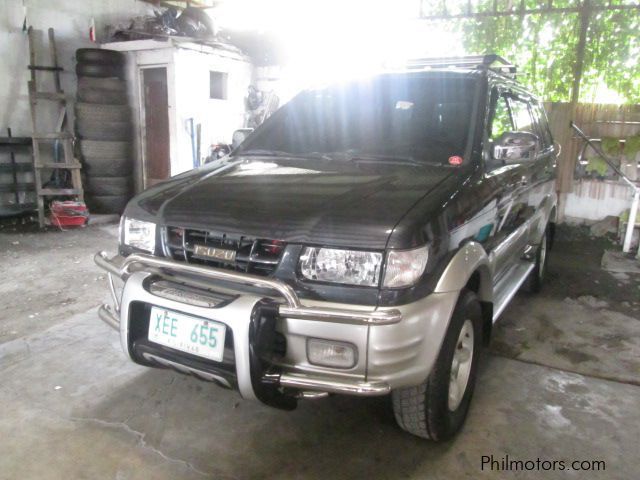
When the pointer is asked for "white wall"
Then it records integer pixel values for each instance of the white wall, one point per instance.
(593, 200)
(188, 66)
(71, 20)
(218, 118)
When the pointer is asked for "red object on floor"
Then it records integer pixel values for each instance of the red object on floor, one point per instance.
(68, 214)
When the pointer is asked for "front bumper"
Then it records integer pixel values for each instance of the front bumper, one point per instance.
(396, 346)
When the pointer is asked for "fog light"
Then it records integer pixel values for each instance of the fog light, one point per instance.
(328, 353)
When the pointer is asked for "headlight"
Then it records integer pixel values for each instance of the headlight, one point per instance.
(139, 234)
(341, 266)
(404, 267)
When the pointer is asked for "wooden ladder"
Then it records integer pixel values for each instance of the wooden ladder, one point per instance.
(60, 134)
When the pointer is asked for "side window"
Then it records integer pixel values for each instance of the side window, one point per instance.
(522, 116)
(543, 123)
(501, 118)
(218, 85)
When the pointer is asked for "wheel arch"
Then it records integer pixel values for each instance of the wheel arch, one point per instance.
(546, 216)
(470, 268)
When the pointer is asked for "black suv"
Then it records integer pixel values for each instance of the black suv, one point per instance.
(362, 241)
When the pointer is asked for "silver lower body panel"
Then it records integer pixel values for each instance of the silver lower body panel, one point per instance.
(391, 354)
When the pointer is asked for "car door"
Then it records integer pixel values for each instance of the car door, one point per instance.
(542, 173)
(512, 180)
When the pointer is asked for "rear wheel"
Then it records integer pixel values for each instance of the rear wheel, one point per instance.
(534, 281)
(437, 408)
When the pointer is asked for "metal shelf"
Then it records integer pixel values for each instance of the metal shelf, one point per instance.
(15, 191)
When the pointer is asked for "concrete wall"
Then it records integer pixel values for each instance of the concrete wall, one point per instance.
(593, 200)
(589, 200)
(71, 20)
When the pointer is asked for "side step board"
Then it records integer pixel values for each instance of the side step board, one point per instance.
(508, 285)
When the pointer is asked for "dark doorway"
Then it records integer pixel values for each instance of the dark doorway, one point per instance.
(156, 122)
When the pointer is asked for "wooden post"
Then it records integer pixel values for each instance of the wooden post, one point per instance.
(585, 14)
(567, 160)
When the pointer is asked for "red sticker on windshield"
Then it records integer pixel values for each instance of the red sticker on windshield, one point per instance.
(455, 160)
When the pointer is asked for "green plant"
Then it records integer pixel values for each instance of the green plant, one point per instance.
(597, 166)
(611, 146)
(544, 46)
(631, 146)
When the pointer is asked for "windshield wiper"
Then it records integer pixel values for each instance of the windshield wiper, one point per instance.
(283, 154)
(266, 153)
(356, 156)
(344, 156)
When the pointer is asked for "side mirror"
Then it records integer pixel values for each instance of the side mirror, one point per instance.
(514, 147)
(239, 136)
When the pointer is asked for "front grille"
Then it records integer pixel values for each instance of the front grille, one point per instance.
(252, 255)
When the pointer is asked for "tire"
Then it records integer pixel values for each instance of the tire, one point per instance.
(97, 130)
(106, 203)
(103, 113)
(195, 22)
(107, 167)
(99, 70)
(99, 56)
(102, 96)
(112, 84)
(533, 283)
(427, 410)
(104, 149)
(111, 186)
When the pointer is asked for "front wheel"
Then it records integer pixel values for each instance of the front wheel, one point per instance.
(437, 408)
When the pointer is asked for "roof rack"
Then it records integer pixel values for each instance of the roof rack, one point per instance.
(492, 62)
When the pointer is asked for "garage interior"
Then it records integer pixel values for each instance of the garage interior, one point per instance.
(561, 377)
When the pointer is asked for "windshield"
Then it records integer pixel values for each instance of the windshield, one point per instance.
(391, 118)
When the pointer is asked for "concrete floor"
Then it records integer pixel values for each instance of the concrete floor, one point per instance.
(560, 382)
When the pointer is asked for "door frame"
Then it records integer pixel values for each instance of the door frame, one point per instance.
(501, 252)
(142, 130)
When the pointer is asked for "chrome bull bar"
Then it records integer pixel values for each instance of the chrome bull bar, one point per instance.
(108, 316)
(122, 267)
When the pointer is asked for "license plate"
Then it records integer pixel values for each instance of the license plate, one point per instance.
(194, 335)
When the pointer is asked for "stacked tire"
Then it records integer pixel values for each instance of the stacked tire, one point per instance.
(103, 127)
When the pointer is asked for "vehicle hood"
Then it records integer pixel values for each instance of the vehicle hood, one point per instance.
(351, 204)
